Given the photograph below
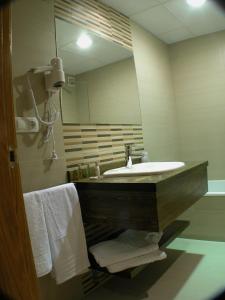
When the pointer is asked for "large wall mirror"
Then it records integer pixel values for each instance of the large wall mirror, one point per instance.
(101, 84)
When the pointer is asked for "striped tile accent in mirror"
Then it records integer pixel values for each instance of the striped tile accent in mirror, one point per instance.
(87, 144)
(97, 17)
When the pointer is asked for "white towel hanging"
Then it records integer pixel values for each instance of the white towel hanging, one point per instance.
(63, 230)
(38, 233)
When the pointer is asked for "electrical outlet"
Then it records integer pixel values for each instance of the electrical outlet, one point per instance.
(27, 125)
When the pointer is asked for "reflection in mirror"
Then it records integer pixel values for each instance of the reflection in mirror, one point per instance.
(101, 84)
(74, 101)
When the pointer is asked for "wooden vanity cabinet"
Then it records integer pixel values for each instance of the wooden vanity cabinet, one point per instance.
(142, 202)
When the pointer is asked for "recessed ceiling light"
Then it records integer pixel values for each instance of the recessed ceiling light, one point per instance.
(84, 41)
(196, 3)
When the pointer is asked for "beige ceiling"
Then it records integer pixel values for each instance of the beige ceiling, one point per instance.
(172, 20)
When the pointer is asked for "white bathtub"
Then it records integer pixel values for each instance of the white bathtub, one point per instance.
(216, 188)
(207, 215)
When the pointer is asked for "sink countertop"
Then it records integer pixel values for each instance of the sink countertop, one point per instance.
(154, 178)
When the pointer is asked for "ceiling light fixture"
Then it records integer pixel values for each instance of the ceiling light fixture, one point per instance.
(195, 3)
(84, 41)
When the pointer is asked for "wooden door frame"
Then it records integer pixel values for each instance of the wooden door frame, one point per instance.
(18, 279)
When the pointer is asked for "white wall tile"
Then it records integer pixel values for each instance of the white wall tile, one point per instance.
(199, 76)
(156, 95)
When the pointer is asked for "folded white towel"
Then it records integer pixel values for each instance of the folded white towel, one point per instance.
(130, 244)
(65, 231)
(38, 233)
(137, 261)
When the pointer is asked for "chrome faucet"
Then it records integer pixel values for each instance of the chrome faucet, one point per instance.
(129, 154)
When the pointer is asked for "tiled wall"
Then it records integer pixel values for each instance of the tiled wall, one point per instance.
(156, 93)
(33, 44)
(87, 144)
(207, 219)
(198, 69)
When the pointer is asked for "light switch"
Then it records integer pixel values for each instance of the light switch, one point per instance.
(27, 125)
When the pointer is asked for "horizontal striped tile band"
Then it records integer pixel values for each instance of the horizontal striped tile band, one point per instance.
(98, 17)
(87, 144)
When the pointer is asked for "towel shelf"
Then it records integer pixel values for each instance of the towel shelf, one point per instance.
(170, 233)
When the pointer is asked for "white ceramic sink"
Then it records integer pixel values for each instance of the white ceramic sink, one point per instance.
(145, 169)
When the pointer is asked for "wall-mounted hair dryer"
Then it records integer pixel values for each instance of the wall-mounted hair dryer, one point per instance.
(54, 80)
(54, 74)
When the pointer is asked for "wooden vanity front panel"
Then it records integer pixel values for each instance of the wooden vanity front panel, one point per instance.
(121, 206)
(175, 195)
(144, 202)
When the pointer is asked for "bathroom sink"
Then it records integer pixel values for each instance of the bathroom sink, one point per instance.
(145, 169)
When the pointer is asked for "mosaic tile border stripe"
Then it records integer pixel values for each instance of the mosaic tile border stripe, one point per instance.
(87, 144)
(97, 17)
